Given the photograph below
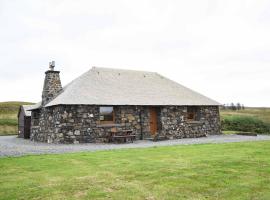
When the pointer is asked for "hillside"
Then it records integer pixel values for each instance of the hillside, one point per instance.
(252, 120)
(8, 116)
(260, 113)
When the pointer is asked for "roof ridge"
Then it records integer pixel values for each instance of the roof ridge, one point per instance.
(121, 69)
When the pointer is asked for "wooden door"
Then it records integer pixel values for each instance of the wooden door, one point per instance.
(153, 121)
(27, 127)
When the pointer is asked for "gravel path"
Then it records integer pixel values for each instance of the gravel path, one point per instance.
(13, 146)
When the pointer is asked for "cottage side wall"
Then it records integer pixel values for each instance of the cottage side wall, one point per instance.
(80, 123)
(37, 128)
(21, 124)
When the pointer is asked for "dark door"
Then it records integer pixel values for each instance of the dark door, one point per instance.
(153, 121)
(27, 126)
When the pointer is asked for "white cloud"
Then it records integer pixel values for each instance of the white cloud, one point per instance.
(219, 48)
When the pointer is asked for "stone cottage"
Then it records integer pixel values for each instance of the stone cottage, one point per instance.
(104, 100)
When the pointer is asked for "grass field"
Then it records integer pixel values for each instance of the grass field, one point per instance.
(256, 120)
(8, 117)
(211, 171)
(260, 113)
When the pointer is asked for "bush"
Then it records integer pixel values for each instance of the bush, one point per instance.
(245, 124)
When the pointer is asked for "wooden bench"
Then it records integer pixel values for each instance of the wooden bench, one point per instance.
(122, 136)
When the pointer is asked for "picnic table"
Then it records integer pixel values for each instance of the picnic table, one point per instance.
(122, 136)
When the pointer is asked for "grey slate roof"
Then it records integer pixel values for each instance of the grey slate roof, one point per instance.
(27, 109)
(104, 86)
(35, 106)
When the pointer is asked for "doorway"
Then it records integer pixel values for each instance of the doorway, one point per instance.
(154, 111)
(27, 127)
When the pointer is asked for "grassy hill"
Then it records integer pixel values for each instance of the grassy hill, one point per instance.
(248, 120)
(8, 116)
(260, 113)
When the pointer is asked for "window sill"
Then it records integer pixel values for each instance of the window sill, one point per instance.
(194, 122)
(108, 125)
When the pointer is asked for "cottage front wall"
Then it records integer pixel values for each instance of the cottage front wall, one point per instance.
(80, 123)
(176, 125)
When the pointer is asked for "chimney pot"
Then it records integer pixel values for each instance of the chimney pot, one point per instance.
(52, 65)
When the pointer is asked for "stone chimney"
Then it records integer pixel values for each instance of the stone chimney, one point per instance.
(52, 84)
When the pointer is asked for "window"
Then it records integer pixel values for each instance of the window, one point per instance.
(35, 117)
(36, 114)
(193, 113)
(106, 114)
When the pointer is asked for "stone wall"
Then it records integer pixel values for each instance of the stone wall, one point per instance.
(175, 124)
(80, 123)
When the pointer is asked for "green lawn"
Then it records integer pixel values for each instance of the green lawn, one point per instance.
(210, 171)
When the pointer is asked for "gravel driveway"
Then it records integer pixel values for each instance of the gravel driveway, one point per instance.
(13, 146)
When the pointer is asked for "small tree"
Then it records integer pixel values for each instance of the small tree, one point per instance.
(232, 107)
(223, 107)
(238, 106)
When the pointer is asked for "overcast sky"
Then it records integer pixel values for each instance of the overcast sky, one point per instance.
(218, 48)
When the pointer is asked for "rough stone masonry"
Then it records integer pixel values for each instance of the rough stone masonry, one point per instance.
(80, 123)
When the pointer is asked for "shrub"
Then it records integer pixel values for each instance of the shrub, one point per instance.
(245, 124)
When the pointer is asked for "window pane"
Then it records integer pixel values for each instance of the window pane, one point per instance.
(108, 117)
(106, 113)
(105, 110)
